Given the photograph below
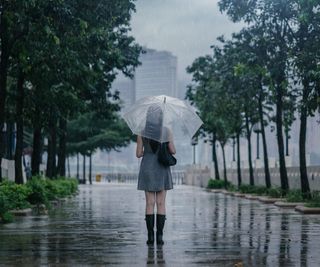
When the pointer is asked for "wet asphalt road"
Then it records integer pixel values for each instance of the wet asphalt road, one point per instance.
(104, 225)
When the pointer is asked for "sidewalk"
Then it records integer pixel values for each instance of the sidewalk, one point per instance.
(104, 225)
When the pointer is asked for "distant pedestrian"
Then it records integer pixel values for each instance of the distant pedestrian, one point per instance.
(28, 171)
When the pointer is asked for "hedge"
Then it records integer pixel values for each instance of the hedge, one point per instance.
(36, 191)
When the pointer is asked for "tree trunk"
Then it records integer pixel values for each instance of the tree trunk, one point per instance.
(36, 151)
(224, 165)
(10, 140)
(84, 169)
(90, 168)
(68, 162)
(214, 158)
(52, 147)
(78, 177)
(305, 188)
(264, 143)
(249, 150)
(238, 160)
(283, 170)
(4, 63)
(62, 147)
(19, 136)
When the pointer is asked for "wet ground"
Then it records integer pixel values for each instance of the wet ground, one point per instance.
(104, 225)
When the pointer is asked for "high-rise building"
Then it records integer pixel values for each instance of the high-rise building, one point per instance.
(126, 89)
(157, 74)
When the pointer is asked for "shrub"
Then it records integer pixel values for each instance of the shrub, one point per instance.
(314, 202)
(38, 194)
(246, 189)
(4, 206)
(7, 217)
(294, 196)
(232, 188)
(16, 195)
(260, 190)
(218, 184)
(61, 187)
(275, 192)
(36, 191)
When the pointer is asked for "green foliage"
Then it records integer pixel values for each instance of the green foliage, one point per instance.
(60, 188)
(294, 195)
(90, 131)
(275, 192)
(252, 189)
(314, 201)
(218, 184)
(4, 203)
(246, 189)
(38, 194)
(36, 191)
(85, 44)
(16, 195)
(7, 217)
(231, 187)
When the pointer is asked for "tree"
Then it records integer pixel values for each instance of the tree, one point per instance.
(63, 55)
(200, 94)
(90, 132)
(306, 59)
(272, 18)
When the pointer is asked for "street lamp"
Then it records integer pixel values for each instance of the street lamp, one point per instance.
(194, 142)
(257, 130)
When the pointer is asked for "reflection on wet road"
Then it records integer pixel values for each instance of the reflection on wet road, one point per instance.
(105, 225)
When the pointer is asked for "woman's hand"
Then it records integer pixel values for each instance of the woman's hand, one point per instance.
(139, 150)
(172, 148)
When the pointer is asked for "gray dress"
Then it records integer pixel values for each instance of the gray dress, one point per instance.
(153, 176)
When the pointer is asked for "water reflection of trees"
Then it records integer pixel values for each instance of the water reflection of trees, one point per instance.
(304, 240)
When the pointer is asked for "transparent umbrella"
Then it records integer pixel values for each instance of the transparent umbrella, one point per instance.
(161, 118)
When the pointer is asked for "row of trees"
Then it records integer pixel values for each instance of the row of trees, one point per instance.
(264, 74)
(57, 63)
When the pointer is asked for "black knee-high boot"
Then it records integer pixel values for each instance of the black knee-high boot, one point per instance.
(160, 224)
(150, 225)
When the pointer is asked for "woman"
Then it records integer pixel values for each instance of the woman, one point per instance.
(154, 178)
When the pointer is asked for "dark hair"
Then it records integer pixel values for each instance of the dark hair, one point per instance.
(153, 127)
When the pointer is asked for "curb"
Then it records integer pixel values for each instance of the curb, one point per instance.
(307, 210)
(251, 197)
(284, 204)
(269, 200)
(23, 212)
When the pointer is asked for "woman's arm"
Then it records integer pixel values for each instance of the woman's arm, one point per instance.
(171, 146)
(139, 150)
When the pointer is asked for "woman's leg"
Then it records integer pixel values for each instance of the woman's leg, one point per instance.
(161, 214)
(150, 201)
(161, 202)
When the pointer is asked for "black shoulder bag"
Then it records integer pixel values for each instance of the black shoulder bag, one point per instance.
(164, 156)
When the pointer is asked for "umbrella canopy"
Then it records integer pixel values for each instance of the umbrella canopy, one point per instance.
(161, 118)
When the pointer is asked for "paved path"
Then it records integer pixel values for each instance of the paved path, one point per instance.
(104, 225)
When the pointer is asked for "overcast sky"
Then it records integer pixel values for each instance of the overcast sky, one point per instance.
(186, 28)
